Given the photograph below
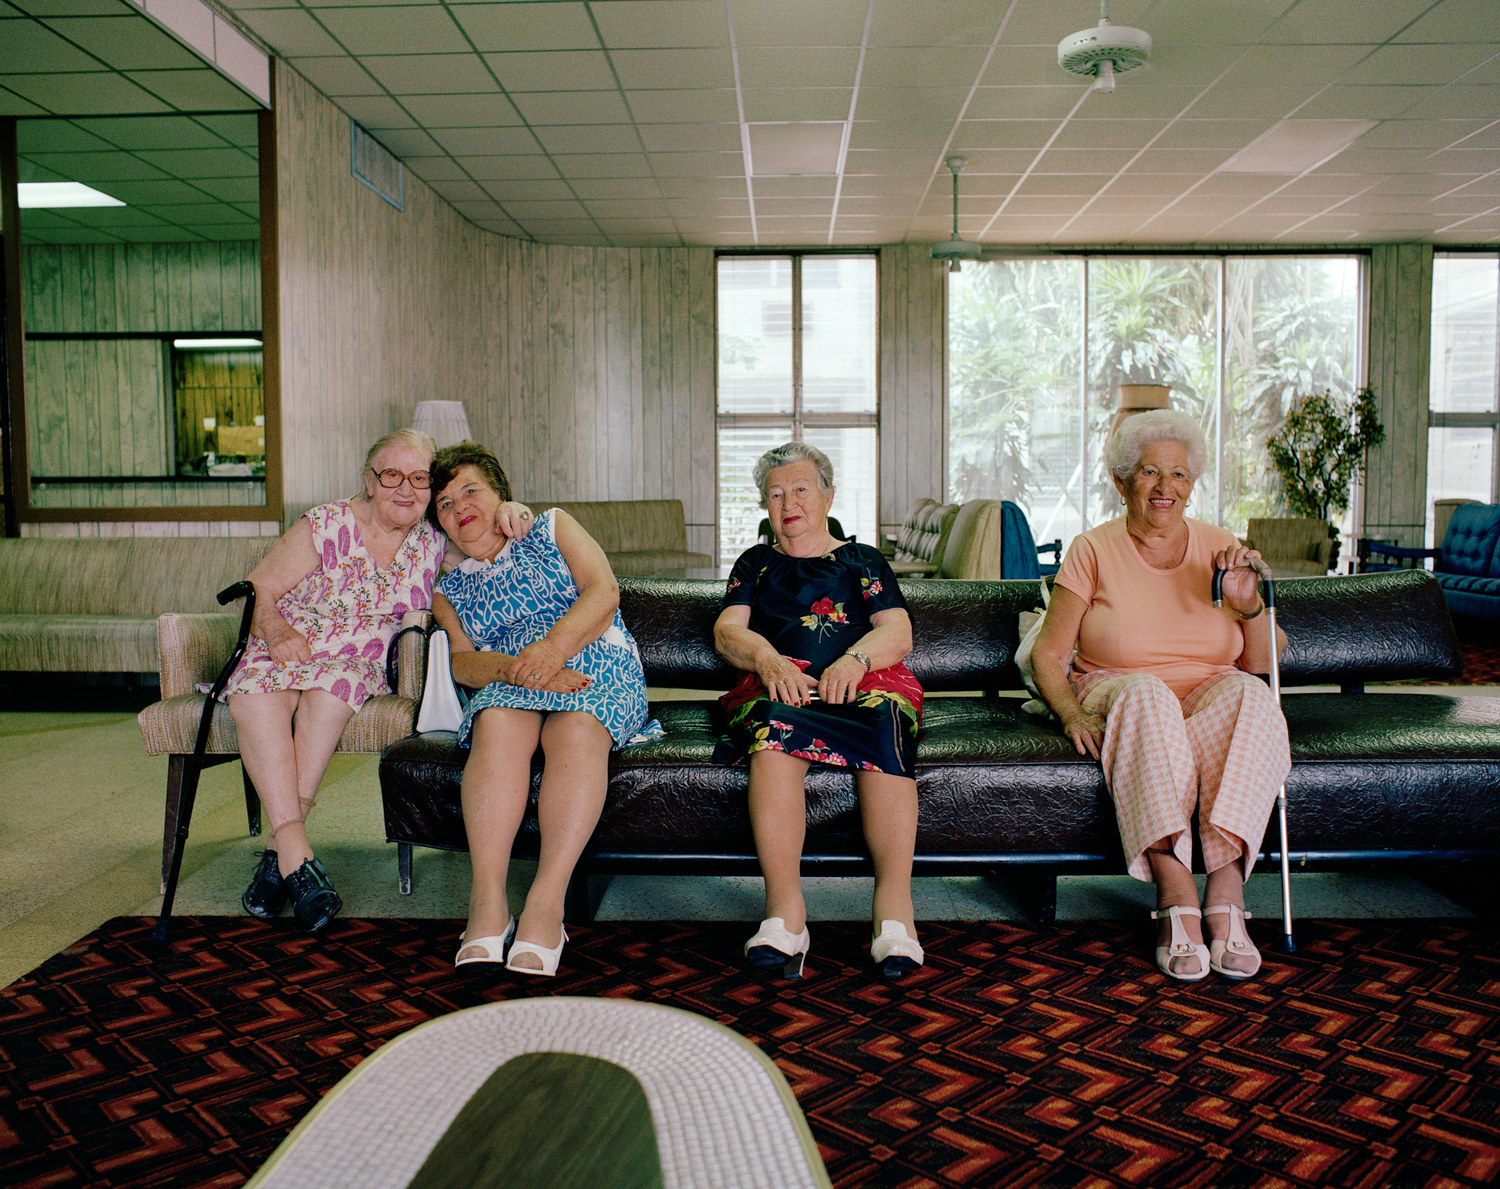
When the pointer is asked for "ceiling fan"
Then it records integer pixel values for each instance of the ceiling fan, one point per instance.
(956, 249)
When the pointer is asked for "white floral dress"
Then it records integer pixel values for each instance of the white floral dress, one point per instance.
(349, 609)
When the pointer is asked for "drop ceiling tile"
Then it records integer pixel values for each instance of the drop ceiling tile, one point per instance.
(431, 74)
(126, 42)
(1025, 66)
(796, 67)
(13, 105)
(205, 213)
(1194, 161)
(613, 188)
(1106, 134)
(702, 187)
(237, 129)
(998, 134)
(901, 103)
(1356, 159)
(549, 26)
(292, 32)
(573, 107)
(476, 209)
(1419, 65)
(707, 209)
(801, 208)
(684, 107)
(1341, 102)
(79, 236)
(29, 48)
(1487, 137)
(485, 142)
(72, 8)
(188, 90)
(433, 169)
(96, 167)
(1325, 185)
(1226, 135)
(1088, 162)
(634, 226)
(1206, 20)
(665, 24)
(499, 227)
(1424, 185)
(59, 136)
(888, 135)
(580, 139)
(1061, 206)
(617, 209)
(1025, 103)
(462, 111)
(558, 227)
(645, 240)
(158, 193)
(460, 190)
(999, 162)
(955, 22)
(1423, 134)
(693, 138)
(1458, 22)
(1462, 101)
(697, 165)
(1023, 229)
(534, 190)
(608, 165)
(231, 189)
(797, 103)
(202, 163)
(410, 141)
(789, 23)
(375, 113)
(1315, 21)
(227, 233)
(900, 67)
(794, 187)
(414, 28)
(1061, 185)
(336, 76)
(575, 70)
(507, 167)
(667, 69)
(1238, 185)
(1148, 184)
(710, 230)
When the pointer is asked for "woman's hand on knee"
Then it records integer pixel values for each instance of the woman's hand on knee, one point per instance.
(536, 665)
(840, 681)
(290, 648)
(1087, 733)
(785, 681)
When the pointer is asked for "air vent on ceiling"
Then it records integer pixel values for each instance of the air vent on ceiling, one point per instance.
(373, 164)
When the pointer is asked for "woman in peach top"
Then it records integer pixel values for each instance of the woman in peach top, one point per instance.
(1160, 692)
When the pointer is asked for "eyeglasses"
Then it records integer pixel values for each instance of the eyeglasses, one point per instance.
(391, 477)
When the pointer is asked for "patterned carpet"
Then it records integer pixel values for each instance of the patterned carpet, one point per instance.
(1481, 647)
(1019, 1055)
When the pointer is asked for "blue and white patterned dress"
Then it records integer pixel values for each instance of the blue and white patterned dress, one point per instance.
(513, 601)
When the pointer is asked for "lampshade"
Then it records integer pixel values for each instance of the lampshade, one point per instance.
(444, 420)
(1139, 398)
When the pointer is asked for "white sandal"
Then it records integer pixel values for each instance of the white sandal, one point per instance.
(1180, 946)
(494, 947)
(775, 947)
(1237, 945)
(895, 951)
(549, 958)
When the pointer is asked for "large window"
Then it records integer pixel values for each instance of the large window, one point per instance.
(1464, 400)
(798, 361)
(1038, 346)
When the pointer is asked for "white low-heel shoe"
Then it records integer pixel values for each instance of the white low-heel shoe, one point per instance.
(895, 951)
(1237, 945)
(1180, 946)
(775, 948)
(549, 958)
(494, 947)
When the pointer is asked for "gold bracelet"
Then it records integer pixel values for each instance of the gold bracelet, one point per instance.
(1247, 618)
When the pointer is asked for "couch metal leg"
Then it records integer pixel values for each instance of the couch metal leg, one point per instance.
(1035, 889)
(252, 803)
(403, 868)
(585, 894)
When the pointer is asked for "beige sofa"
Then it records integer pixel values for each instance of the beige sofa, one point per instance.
(90, 604)
(640, 537)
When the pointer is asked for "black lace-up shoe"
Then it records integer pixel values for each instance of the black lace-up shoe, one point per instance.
(314, 902)
(266, 895)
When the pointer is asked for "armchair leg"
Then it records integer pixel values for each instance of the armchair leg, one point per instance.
(585, 894)
(175, 767)
(252, 803)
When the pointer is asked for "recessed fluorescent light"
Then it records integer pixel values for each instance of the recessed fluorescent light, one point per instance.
(1295, 146)
(808, 149)
(30, 195)
(212, 344)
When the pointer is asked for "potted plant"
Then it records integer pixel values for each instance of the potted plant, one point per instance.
(1319, 449)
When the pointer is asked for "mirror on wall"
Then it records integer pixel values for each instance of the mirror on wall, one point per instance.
(140, 292)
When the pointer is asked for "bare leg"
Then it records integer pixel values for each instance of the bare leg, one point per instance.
(888, 808)
(575, 778)
(778, 817)
(1175, 887)
(496, 781)
(284, 764)
(1227, 886)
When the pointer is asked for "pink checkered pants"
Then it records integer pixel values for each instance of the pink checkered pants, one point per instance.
(1222, 749)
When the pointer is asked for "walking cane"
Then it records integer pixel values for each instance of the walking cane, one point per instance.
(1288, 943)
(188, 792)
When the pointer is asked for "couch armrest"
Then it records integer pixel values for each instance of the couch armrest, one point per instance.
(192, 648)
(1400, 551)
(411, 655)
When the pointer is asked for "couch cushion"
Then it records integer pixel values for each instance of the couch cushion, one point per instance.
(78, 643)
(1471, 543)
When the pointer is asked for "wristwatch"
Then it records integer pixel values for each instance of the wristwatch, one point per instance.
(862, 657)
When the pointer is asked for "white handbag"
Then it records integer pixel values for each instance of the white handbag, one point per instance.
(1030, 626)
(441, 708)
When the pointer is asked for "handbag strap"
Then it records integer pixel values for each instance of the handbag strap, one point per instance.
(392, 664)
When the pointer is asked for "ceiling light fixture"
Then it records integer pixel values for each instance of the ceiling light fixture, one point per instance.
(43, 195)
(1104, 51)
(956, 249)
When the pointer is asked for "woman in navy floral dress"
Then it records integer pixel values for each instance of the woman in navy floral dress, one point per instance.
(536, 630)
(820, 628)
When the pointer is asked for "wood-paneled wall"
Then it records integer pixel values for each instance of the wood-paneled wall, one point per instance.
(1399, 373)
(589, 371)
(913, 381)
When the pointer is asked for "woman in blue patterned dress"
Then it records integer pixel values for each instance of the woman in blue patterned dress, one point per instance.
(820, 628)
(536, 630)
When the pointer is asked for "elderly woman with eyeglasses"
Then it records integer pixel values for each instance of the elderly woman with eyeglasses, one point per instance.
(329, 598)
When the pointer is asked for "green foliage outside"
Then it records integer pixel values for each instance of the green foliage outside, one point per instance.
(1016, 369)
(1320, 449)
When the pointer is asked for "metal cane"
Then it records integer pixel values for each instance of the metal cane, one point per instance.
(194, 766)
(1289, 944)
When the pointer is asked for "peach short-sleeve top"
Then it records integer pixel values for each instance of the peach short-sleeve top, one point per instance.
(1142, 619)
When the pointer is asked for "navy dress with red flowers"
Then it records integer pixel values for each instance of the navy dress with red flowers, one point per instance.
(813, 610)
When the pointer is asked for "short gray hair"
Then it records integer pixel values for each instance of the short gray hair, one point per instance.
(415, 439)
(786, 454)
(1122, 453)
